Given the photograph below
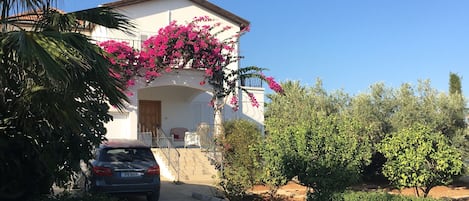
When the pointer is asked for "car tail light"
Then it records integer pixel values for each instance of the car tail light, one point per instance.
(154, 170)
(102, 171)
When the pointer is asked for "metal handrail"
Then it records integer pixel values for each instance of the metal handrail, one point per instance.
(209, 145)
(169, 146)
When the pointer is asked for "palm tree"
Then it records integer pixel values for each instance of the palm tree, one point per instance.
(55, 91)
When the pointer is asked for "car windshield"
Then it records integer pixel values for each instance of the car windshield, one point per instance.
(126, 154)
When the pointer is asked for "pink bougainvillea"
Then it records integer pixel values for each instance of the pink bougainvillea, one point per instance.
(234, 102)
(188, 46)
(192, 46)
(253, 100)
(124, 59)
(274, 85)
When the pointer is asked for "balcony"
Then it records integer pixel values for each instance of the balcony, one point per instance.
(251, 82)
(137, 44)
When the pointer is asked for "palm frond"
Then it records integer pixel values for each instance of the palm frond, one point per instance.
(251, 69)
(55, 20)
(13, 7)
(98, 75)
(247, 72)
(106, 17)
(66, 58)
(44, 49)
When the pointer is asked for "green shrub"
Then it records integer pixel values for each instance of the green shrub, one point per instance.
(240, 157)
(420, 157)
(376, 196)
(313, 137)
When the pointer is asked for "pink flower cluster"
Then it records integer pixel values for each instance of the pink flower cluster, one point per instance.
(193, 46)
(274, 85)
(234, 102)
(253, 100)
(187, 46)
(124, 59)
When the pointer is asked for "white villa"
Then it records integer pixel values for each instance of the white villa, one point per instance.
(176, 99)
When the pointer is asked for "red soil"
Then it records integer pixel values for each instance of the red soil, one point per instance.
(295, 192)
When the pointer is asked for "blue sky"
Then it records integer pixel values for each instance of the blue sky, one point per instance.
(350, 45)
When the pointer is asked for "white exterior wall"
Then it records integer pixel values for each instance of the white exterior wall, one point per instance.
(250, 112)
(149, 17)
(119, 126)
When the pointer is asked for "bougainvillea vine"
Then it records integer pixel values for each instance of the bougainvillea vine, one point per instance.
(195, 45)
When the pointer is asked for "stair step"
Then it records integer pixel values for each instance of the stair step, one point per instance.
(194, 166)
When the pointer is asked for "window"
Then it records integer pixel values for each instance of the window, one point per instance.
(127, 155)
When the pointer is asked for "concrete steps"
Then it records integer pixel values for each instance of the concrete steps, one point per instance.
(194, 167)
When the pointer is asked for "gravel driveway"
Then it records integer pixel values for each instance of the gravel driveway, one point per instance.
(173, 192)
(180, 192)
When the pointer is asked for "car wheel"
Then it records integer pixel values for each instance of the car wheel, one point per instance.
(154, 196)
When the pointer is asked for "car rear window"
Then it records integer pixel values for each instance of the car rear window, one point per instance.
(126, 154)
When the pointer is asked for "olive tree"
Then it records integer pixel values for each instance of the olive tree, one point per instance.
(423, 104)
(309, 136)
(372, 111)
(420, 157)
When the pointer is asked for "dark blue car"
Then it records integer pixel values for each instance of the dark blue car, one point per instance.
(124, 167)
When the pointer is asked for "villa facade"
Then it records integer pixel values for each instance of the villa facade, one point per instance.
(176, 99)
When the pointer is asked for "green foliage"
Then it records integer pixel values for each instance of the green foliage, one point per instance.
(461, 141)
(315, 135)
(457, 115)
(454, 84)
(310, 137)
(241, 168)
(373, 112)
(376, 196)
(55, 90)
(439, 111)
(281, 115)
(420, 157)
(384, 111)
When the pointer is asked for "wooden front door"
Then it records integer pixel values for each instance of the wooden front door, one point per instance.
(149, 116)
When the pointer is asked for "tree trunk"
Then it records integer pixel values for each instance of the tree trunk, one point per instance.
(427, 189)
(218, 118)
(417, 191)
(218, 131)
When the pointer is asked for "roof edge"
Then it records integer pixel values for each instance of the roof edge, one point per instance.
(243, 23)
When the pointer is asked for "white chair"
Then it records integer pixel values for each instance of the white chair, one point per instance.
(178, 135)
(191, 139)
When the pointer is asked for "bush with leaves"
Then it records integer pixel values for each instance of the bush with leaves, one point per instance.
(385, 110)
(377, 196)
(420, 157)
(241, 168)
(318, 143)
